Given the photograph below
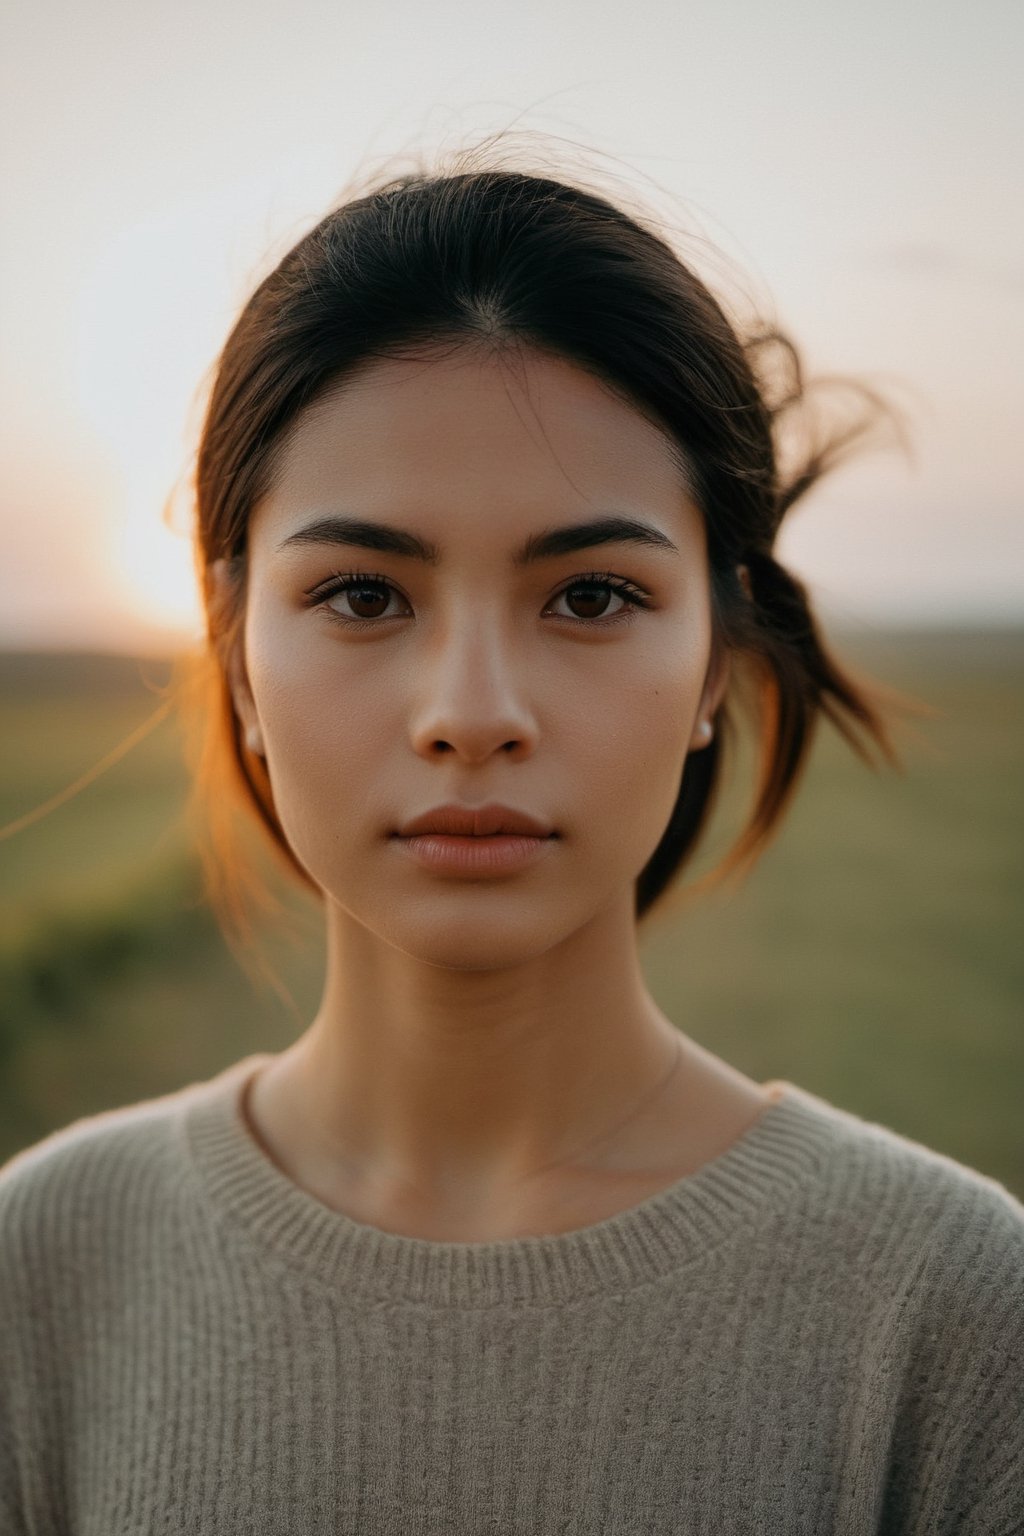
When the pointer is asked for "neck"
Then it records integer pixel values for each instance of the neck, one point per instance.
(416, 1075)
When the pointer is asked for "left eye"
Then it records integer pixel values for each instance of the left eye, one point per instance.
(590, 599)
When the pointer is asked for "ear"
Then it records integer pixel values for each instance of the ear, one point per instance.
(234, 665)
(715, 684)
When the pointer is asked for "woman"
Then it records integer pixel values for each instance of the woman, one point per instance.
(487, 499)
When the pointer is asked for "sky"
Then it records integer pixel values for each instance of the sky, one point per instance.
(853, 169)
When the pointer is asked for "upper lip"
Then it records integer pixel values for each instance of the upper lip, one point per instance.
(475, 821)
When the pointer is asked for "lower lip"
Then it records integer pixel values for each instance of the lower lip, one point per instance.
(497, 855)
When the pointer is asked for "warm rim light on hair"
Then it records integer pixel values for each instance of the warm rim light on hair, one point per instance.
(494, 259)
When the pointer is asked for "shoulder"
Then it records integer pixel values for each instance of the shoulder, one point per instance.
(73, 1157)
(866, 1161)
(894, 1212)
(91, 1187)
(933, 1251)
(927, 1242)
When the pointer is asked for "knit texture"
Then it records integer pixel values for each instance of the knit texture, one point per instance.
(819, 1331)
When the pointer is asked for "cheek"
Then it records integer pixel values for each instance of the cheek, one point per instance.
(634, 738)
(325, 727)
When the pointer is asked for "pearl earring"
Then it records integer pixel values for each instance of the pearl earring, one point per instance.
(706, 730)
(253, 740)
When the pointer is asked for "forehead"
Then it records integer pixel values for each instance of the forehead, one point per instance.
(523, 437)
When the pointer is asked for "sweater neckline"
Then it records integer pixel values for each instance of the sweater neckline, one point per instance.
(679, 1225)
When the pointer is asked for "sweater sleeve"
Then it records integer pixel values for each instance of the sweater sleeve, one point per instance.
(13, 1519)
(962, 1469)
(37, 1263)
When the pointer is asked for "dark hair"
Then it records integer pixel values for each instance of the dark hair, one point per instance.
(498, 258)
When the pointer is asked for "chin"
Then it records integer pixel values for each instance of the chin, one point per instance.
(476, 930)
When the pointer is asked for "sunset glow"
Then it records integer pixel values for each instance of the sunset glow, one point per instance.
(137, 229)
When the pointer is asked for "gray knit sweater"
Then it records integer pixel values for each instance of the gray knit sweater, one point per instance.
(819, 1331)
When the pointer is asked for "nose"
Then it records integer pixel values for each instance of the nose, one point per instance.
(470, 698)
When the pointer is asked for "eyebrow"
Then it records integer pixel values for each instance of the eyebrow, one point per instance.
(539, 546)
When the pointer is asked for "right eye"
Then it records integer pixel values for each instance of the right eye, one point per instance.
(366, 597)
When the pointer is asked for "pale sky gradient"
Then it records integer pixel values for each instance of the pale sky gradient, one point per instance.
(859, 163)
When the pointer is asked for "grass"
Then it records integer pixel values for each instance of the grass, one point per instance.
(873, 957)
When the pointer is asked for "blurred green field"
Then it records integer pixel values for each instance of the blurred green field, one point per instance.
(874, 956)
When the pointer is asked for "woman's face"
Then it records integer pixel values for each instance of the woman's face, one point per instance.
(467, 663)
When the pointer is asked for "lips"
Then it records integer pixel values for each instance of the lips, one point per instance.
(475, 821)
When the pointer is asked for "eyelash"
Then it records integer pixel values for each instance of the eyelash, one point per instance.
(345, 581)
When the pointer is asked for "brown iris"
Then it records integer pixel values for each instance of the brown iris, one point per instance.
(595, 599)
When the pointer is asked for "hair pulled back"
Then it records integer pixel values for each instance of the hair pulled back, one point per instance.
(500, 258)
